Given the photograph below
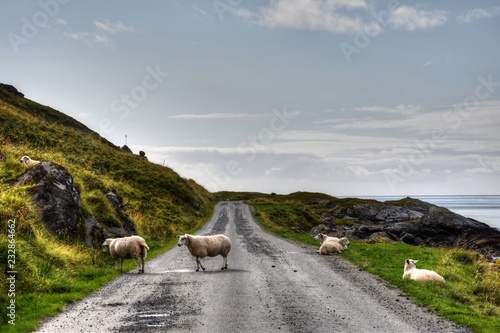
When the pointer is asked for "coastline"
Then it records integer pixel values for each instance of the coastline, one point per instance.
(483, 208)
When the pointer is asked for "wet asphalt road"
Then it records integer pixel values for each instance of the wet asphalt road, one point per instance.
(271, 285)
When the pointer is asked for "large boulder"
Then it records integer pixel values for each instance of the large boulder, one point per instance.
(56, 196)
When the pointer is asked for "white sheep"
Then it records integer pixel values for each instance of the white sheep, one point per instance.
(330, 245)
(133, 247)
(28, 161)
(333, 246)
(324, 238)
(423, 275)
(203, 246)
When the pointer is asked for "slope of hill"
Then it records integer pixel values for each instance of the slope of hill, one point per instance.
(160, 202)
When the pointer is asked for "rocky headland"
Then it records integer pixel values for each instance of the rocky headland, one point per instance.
(408, 220)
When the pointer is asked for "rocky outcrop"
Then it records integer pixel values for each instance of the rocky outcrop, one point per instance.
(127, 225)
(55, 194)
(408, 220)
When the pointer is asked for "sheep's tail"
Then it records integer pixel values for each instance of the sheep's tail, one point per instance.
(144, 247)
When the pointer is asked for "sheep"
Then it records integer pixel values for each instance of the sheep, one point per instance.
(330, 244)
(324, 237)
(422, 275)
(133, 247)
(203, 246)
(28, 161)
(333, 246)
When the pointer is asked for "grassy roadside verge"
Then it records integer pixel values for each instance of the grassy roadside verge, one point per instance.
(52, 274)
(470, 297)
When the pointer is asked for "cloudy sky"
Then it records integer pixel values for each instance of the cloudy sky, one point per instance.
(346, 97)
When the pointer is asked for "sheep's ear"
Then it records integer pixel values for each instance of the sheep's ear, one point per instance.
(415, 261)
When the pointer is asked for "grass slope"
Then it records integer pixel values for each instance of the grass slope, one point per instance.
(52, 272)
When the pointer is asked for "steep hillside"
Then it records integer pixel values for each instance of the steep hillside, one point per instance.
(160, 203)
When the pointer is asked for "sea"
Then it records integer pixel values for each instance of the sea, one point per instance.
(483, 208)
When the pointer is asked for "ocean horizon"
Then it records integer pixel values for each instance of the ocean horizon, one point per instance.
(483, 208)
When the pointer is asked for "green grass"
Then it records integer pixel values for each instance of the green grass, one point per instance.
(470, 296)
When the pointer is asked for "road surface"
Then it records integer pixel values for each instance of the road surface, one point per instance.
(272, 285)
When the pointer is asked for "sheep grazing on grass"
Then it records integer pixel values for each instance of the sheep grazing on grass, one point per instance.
(28, 161)
(133, 247)
(423, 275)
(330, 245)
(203, 246)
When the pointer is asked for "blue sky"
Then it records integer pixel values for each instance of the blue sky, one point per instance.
(337, 96)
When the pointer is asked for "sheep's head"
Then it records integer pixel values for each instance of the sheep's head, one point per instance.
(182, 240)
(320, 238)
(344, 241)
(410, 263)
(25, 159)
(105, 245)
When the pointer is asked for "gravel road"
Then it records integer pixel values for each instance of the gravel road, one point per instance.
(271, 285)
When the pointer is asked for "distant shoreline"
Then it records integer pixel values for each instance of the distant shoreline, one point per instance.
(483, 208)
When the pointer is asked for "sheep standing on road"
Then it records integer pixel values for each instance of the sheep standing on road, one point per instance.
(203, 246)
(423, 275)
(133, 247)
(330, 245)
(28, 161)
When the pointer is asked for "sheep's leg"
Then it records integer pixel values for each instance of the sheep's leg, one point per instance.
(224, 262)
(142, 262)
(198, 264)
(138, 260)
(116, 263)
(121, 265)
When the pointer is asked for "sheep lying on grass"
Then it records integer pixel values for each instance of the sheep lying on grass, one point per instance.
(423, 275)
(330, 245)
(203, 246)
(133, 247)
(325, 238)
(28, 161)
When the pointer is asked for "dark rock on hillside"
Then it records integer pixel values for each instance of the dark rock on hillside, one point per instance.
(127, 149)
(128, 226)
(96, 233)
(55, 195)
(11, 90)
(408, 220)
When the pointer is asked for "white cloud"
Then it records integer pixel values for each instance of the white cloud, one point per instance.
(400, 109)
(427, 63)
(217, 116)
(113, 27)
(323, 15)
(409, 18)
(478, 13)
(90, 38)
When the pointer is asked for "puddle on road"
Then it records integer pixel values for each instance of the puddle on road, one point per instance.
(179, 271)
(154, 315)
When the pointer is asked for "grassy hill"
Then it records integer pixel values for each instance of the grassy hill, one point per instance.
(52, 271)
